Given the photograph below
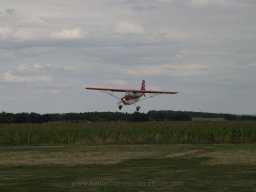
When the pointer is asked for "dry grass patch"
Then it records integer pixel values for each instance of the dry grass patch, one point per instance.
(77, 155)
(227, 156)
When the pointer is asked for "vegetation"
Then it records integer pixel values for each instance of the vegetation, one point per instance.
(129, 132)
(116, 116)
(79, 168)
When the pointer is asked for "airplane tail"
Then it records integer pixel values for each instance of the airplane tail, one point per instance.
(143, 85)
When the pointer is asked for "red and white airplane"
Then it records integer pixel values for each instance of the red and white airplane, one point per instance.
(131, 95)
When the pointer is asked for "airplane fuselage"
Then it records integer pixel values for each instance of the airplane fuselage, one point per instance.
(131, 98)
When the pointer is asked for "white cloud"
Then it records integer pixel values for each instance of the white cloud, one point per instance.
(20, 33)
(5, 32)
(118, 82)
(128, 28)
(202, 3)
(10, 77)
(75, 33)
(162, 70)
(43, 68)
(25, 34)
(31, 67)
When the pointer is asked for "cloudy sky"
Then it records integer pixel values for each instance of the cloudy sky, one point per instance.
(204, 49)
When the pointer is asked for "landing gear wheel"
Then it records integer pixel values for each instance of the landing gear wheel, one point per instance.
(120, 107)
(137, 108)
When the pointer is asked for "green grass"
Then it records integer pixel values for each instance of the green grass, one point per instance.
(118, 156)
(79, 168)
(129, 133)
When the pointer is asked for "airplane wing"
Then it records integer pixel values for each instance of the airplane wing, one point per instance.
(131, 90)
(155, 92)
(108, 89)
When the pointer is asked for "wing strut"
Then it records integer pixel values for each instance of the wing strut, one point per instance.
(111, 94)
(153, 95)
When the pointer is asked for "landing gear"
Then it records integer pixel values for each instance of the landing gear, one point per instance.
(137, 108)
(120, 107)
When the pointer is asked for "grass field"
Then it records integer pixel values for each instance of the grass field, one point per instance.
(128, 157)
(182, 167)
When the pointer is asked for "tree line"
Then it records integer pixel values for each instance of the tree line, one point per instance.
(115, 116)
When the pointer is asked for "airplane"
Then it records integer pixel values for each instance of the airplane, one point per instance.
(131, 96)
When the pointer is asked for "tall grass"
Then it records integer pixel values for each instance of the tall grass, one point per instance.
(128, 133)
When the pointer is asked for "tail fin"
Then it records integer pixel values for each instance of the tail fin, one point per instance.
(143, 85)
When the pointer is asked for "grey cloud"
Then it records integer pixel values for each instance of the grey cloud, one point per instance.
(7, 12)
(10, 11)
(205, 51)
